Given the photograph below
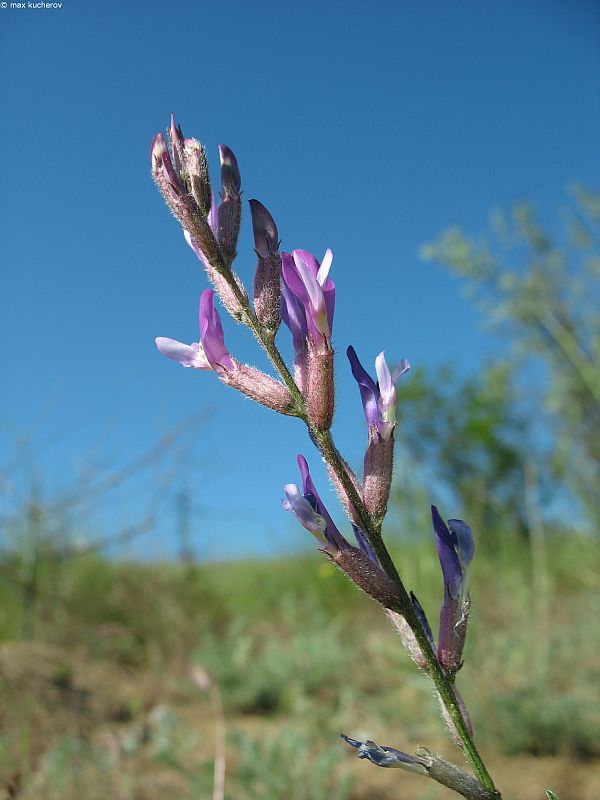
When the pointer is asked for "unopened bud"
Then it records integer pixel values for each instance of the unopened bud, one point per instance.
(267, 280)
(231, 182)
(319, 392)
(229, 213)
(197, 170)
(176, 141)
(266, 235)
(377, 479)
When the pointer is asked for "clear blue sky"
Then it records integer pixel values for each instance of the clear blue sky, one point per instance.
(367, 128)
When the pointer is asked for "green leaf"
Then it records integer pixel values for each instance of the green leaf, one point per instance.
(550, 795)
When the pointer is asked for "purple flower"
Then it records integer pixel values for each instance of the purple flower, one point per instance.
(455, 547)
(311, 285)
(359, 563)
(310, 512)
(308, 508)
(386, 756)
(378, 399)
(210, 352)
(266, 236)
(292, 313)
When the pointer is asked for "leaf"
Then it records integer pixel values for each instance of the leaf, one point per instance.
(550, 795)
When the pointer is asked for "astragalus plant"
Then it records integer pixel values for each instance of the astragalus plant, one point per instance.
(296, 289)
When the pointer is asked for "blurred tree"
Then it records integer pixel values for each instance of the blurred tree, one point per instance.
(467, 437)
(543, 292)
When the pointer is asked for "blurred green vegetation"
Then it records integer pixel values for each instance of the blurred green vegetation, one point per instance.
(100, 702)
(119, 679)
(537, 283)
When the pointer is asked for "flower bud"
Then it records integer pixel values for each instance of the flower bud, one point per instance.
(455, 549)
(197, 169)
(229, 213)
(267, 280)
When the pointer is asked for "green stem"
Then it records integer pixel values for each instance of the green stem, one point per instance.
(327, 448)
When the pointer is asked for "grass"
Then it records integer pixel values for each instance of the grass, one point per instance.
(100, 702)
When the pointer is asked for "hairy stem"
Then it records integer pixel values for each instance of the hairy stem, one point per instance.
(327, 448)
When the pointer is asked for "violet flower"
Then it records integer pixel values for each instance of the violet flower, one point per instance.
(386, 756)
(379, 404)
(378, 399)
(293, 315)
(455, 547)
(210, 352)
(308, 302)
(310, 512)
(310, 283)
(359, 563)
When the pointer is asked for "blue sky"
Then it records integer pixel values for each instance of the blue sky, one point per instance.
(367, 128)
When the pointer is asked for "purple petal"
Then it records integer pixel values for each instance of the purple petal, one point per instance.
(328, 289)
(176, 138)
(212, 217)
(211, 333)
(188, 355)
(300, 273)
(365, 545)
(310, 292)
(465, 544)
(266, 236)
(369, 391)
(157, 149)
(172, 174)
(230, 174)
(292, 311)
(446, 546)
(303, 511)
(386, 756)
(332, 534)
(196, 249)
(398, 371)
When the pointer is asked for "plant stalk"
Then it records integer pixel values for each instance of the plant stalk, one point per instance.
(326, 446)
